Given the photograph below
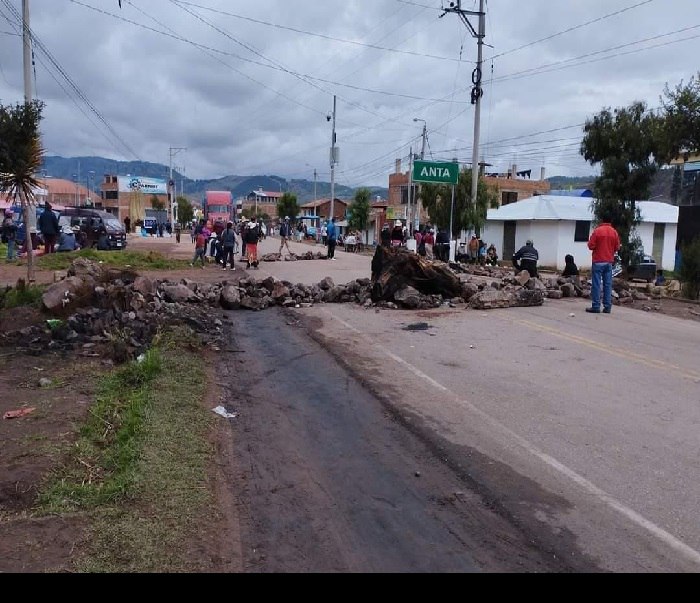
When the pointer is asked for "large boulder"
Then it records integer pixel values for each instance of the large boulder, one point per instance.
(178, 294)
(145, 286)
(408, 297)
(528, 297)
(280, 291)
(230, 298)
(64, 296)
(490, 299)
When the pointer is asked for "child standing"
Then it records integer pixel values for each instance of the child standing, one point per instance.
(200, 248)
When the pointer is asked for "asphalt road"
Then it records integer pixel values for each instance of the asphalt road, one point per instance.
(581, 432)
(582, 426)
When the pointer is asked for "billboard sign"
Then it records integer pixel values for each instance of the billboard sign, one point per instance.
(147, 186)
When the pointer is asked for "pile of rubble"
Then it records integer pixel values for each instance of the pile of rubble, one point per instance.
(96, 308)
(293, 257)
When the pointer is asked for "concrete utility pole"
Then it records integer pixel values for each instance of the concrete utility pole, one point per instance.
(477, 91)
(27, 42)
(171, 186)
(333, 160)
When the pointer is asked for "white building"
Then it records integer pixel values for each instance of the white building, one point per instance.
(562, 225)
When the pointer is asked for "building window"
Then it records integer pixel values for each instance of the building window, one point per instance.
(583, 231)
(508, 197)
(111, 195)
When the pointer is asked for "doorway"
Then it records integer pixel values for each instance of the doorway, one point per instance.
(657, 250)
(508, 240)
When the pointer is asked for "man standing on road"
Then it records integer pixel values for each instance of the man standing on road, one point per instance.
(604, 243)
(332, 234)
(526, 258)
(285, 232)
(127, 224)
(49, 228)
(228, 245)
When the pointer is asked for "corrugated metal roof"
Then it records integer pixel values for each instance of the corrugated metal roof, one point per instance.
(549, 207)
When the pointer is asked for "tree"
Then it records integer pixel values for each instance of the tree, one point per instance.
(681, 119)
(287, 206)
(156, 203)
(20, 159)
(437, 199)
(627, 142)
(185, 211)
(359, 211)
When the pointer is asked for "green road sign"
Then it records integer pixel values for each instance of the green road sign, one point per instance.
(430, 171)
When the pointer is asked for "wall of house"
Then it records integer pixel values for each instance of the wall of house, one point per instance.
(646, 233)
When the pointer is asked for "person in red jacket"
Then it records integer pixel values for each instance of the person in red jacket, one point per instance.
(604, 243)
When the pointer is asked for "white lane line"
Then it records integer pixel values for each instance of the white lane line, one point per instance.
(667, 538)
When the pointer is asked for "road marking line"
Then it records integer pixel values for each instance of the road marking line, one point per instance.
(619, 352)
(667, 538)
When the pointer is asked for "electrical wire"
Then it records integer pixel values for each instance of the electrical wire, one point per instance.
(318, 35)
(570, 29)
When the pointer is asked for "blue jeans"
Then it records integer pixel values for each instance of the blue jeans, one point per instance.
(601, 271)
(11, 250)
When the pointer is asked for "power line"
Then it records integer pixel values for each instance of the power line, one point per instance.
(570, 29)
(81, 95)
(544, 68)
(323, 36)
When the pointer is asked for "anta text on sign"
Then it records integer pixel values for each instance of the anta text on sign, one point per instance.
(431, 171)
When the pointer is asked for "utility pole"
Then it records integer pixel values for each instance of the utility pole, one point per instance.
(171, 186)
(315, 174)
(477, 91)
(410, 190)
(333, 161)
(27, 42)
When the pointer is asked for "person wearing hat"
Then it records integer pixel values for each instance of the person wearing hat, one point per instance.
(67, 240)
(397, 234)
(285, 232)
(252, 236)
(526, 259)
(385, 235)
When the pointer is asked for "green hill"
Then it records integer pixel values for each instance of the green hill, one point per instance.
(96, 167)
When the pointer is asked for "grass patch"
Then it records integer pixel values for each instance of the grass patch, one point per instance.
(139, 468)
(21, 295)
(149, 260)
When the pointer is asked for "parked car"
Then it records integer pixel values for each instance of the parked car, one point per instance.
(643, 269)
(92, 222)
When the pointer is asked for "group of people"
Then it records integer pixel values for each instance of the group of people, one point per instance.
(604, 243)
(223, 246)
(49, 233)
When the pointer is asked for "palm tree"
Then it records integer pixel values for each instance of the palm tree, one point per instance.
(20, 159)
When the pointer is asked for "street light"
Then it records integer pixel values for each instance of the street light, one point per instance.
(425, 126)
(91, 175)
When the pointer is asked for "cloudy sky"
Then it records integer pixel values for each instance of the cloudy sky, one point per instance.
(246, 86)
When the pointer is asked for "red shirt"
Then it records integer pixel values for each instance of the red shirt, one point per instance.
(201, 241)
(604, 242)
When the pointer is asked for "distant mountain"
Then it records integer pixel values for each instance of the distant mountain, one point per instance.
(95, 168)
(566, 182)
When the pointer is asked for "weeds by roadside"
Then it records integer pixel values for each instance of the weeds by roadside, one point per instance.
(139, 468)
(119, 259)
(21, 295)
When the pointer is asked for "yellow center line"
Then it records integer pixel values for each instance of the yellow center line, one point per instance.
(613, 351)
